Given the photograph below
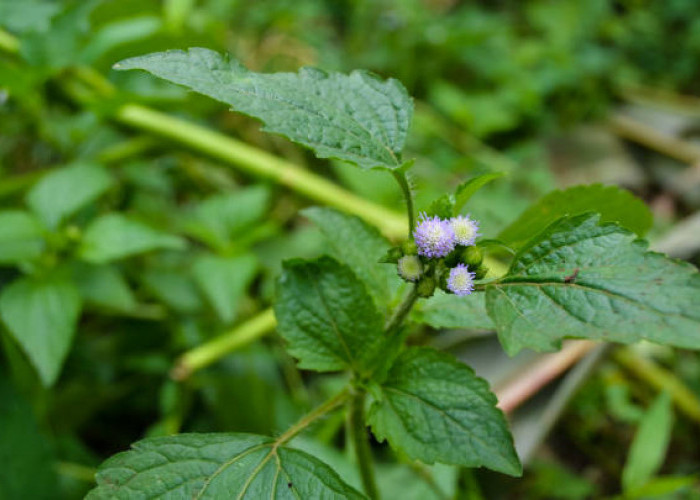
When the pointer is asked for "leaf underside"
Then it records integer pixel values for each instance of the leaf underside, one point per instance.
(586, 280)
(221, 465)
(357, 117)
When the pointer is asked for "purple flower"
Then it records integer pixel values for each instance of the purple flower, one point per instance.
(410, 267)
(434, 236)
(466, 230)
(460, 281)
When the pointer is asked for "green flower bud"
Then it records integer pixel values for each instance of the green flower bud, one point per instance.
(481, 272)
(426, 287)
(410, 267)
(409, 248)
(392, 256)
(471, 257)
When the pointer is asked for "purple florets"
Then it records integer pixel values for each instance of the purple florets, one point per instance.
(466, 230)
(434, 237)
(460, 281)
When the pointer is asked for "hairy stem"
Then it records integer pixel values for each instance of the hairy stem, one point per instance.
(406, 189)
(400, 313)
(358, 431)
(308, 419)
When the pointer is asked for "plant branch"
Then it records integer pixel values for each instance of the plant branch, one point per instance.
(308, 419)
(358, 432)
(402, 311)
(406, 190)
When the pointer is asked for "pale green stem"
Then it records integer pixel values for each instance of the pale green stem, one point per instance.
(400, 313)
(330, 405)
(358, 431)
(406, 190)
(211, 351)
(76, 471)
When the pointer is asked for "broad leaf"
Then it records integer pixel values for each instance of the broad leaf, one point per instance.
(63, 191)
(113, 236)
(435, 409)
(360, 246)
(356, 117)
(224, 281)
(587, 280)
(648, 450)
(243, 466)
(20, 236)
(450, 311)
(42, 316)
(614, 204)
(327, 317)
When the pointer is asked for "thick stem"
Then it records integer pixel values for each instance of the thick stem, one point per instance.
(402, 311)
(406, 189)
(358, 431)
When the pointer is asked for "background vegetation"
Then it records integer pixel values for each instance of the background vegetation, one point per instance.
(549, 92)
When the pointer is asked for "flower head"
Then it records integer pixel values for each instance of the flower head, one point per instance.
(434, 236)
(466, 230)
(460, 281)
(410, 267)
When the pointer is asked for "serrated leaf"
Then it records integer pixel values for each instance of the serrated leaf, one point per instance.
(466, 190)
(586, 280)
(327, 317)
(648, 449)
(113, 236)
(42, 316)
(20, 236)
(614, 204)
(223, 280)
(356, 117)
(243, 466)
(63, 191)
(435, 409)
(451, 311)
(360, 246)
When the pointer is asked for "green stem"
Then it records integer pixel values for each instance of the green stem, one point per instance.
(402, 311)
(211, 351)
(358, 431)
(262, 164)
(330, 405)
(406, 189)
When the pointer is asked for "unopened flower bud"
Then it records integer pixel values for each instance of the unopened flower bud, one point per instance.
(471, 257)
(426, 287)
(410, 268)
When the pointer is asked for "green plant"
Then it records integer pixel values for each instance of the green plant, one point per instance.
(578, 270)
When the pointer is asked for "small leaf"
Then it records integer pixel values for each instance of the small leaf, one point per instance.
(648, 450)
(356, 118)
(443, 207)
(175, 289)
(327, 317)
(451, 311)
(361, 247)
(614, 204)
(219, 219)
(113, 236)
(42, 316)
(434, 408)
(103, 285)
(20, 236)
(224, 281)
(243, 466)
(582, 279)
(63, 191)
(466, 190)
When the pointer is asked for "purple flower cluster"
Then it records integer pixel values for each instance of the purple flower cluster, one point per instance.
(434, 237)
(461, 280)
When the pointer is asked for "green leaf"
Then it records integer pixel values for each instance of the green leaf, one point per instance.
(20, 236)
(356, 117)
(25, 453)
(42, 316)
(587, 280)
(103, 285)
(175, 289)
(648, 450)
(443, 207)
(360, 246)
(27, 15)
(243, 466)
(63, 191)
(113, 236)
(219, 219)
(327, 317)
(450, 311)
(224, 280)
(611, 202)
(466, 190)
(434, 408)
